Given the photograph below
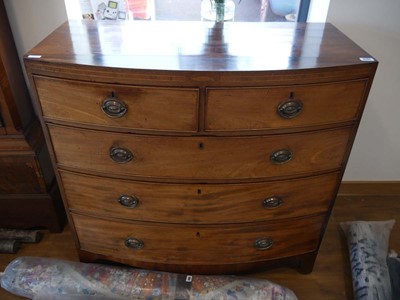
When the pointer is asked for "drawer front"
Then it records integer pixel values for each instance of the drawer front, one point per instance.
(133, 107)
(198, 203)
(198, 157)
(197, 244)
(257, 108)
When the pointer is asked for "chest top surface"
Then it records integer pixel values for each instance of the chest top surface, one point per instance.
(199, 46)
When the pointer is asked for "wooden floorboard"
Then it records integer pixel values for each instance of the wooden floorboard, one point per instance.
(331, 278)
(370, 188)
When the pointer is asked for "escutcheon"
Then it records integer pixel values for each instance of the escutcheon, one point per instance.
(290, 108)
(128, 201)
(120, 155)
(264, 243)
(114, 107)
(272, 202)
(281, 156)
(134, 243)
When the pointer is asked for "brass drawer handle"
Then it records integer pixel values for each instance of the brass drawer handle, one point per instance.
(128, 201)
(134, 243)
(120, 155)
(281, 156)
(264, 243)
(114, 107)
(272, 202)
(290, 108)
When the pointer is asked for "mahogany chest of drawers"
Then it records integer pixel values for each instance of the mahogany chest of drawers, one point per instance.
(199, 147)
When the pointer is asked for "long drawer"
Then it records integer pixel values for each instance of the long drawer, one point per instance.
(197, 244)
(198, 203)
(119, 106)
(199, 157)
(235, 109)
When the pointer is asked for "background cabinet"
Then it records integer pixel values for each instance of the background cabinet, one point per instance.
(29, 195)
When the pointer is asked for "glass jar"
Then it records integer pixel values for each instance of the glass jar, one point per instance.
(217, 11)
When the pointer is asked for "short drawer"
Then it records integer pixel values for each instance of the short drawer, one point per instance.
(235, 109)
(120, 106)
(197, 244)
(200, 158)
(198, 203)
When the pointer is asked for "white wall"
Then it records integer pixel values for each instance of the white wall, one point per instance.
(375, 26)
(32, 20)
(318, 10)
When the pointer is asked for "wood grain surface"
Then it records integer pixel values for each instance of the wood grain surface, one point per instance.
(200, 158)
(198, 203)
(81, 103)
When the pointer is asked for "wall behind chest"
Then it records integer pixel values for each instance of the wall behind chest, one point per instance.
(31, 21)
(375, 26)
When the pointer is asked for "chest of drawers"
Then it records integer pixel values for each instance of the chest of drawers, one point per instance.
(198, 147)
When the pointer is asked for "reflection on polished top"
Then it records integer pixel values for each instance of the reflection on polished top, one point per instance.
(199, 46)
